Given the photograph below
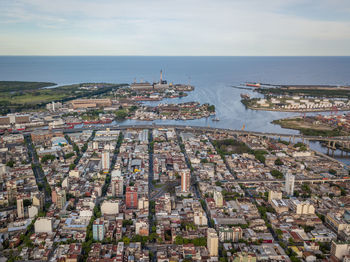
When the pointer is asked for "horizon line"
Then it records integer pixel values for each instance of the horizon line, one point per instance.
(36, 55)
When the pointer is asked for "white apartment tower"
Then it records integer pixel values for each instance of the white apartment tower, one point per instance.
(289, 186)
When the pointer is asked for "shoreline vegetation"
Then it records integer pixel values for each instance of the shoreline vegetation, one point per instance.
(308, 128)
(18, 96)
(307, 90)
(299, 98)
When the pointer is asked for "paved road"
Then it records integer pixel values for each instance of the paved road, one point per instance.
(38, 172)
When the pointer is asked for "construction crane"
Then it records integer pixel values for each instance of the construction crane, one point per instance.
(243, 127)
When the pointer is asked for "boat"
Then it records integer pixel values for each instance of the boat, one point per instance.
(106, 121)
(253, 84)
(91, 122)
(73, 123)
(245, 96)
(215, 119)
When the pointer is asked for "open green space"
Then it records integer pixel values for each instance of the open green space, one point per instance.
(230, 146)
(307, 128)
(313, 92)
(19, 96)
(13, 86)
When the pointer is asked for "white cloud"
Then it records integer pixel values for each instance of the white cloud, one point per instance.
(192, 27)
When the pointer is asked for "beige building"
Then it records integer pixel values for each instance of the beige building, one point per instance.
(20, 208)
(185, 180)
(38, 200)
(61, 199)
(43, 225)
(110, 207)
(274, 195)
(302, 208)
(219, 200)
(105, 161)
(212, 242)
(339, 250)
(279, 205)
(90, 103)
(200, 219)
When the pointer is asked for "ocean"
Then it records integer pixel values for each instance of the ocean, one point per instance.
(213, 78)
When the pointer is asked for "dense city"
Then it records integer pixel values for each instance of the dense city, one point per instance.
(77, 185)
(168, 194)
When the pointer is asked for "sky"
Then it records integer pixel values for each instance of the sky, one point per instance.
(175, 28)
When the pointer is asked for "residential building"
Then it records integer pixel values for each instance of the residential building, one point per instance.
(43, 225)
(20, 208)
(105, 161)
(98, 229)
(274, 195)
(131, 200)
(219, 200)
(185, 181)
(110, 207)
(289, 183)
(213, 242)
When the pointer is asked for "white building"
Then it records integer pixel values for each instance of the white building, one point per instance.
(289, 186)
(32, 211)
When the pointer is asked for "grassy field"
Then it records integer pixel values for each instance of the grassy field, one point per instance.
(13, 86)
(20, 96)
(311, 92)
(307, 128)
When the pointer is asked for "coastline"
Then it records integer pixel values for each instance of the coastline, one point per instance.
(296, 111)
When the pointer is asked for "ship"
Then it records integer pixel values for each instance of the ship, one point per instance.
(245, 96)
(215, 119)
(253, 84)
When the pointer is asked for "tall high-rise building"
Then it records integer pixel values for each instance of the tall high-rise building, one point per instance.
(131, 200)
(212, 242)
(38, 200)
(289, 185)
(117, 183)
(98, 229)
(61, 199)
(105, 161)
(20, 208)
(185, 181)
(219, 200)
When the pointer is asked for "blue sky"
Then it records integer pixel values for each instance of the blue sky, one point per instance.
(177, 27)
